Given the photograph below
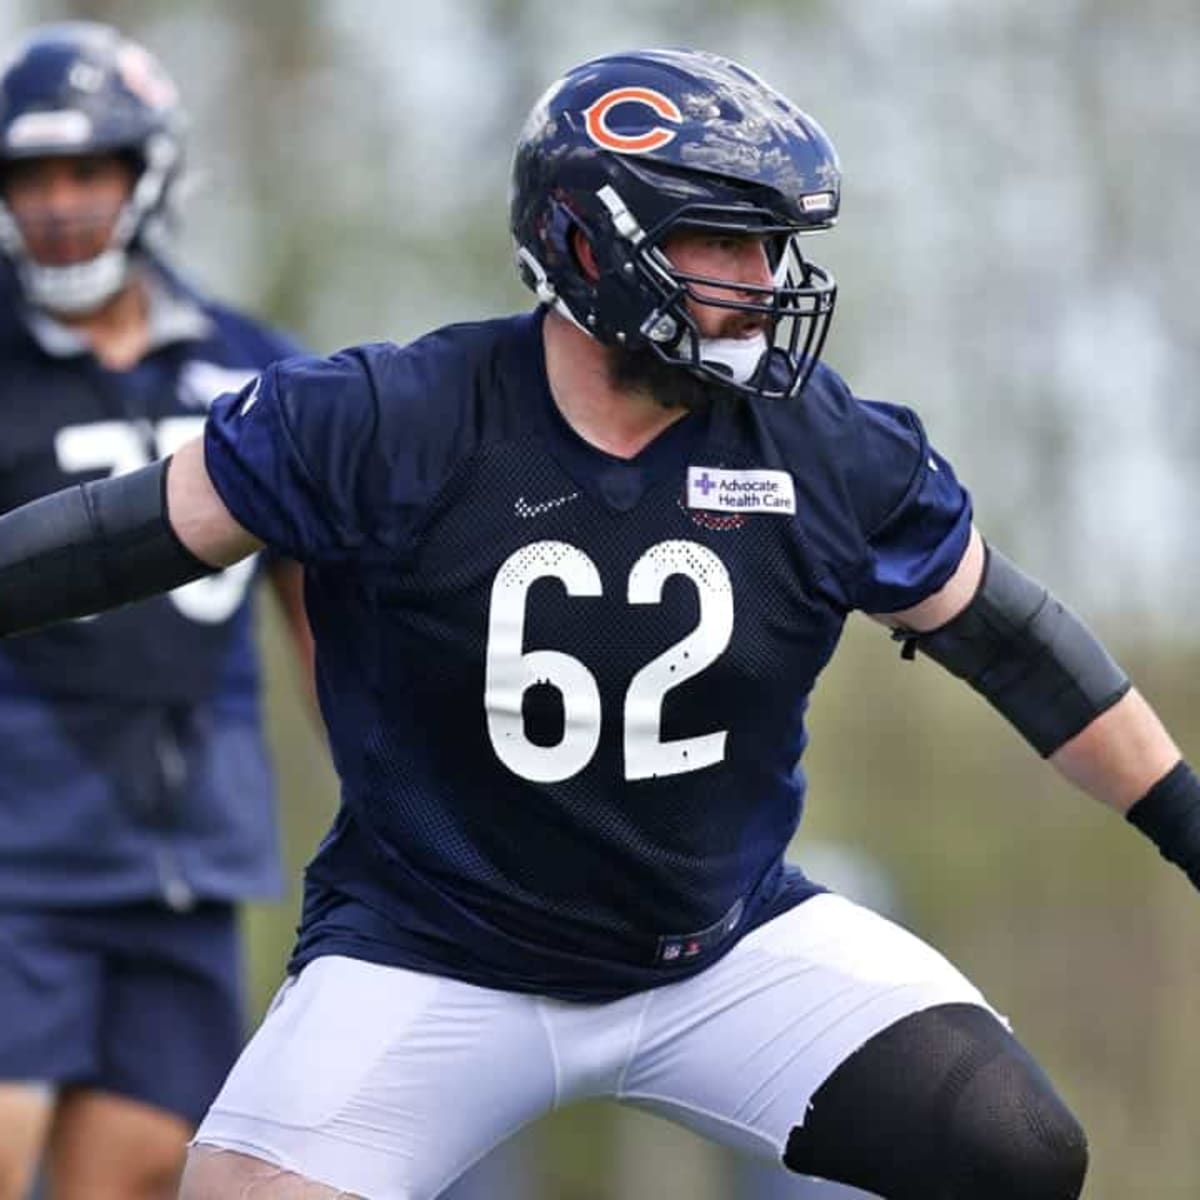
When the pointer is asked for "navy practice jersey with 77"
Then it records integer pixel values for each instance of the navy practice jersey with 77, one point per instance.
(566, 691)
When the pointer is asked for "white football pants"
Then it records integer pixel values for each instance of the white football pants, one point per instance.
(387, 1084)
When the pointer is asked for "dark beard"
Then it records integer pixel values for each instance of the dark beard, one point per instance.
(673, 386)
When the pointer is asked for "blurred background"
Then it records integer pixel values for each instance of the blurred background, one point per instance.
(1017, 257)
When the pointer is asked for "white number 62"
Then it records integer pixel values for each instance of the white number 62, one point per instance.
(511, 672)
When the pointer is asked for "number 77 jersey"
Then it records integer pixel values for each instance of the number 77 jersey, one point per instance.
(566, 691)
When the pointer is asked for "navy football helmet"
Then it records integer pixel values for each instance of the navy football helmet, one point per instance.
(628, 149)
(83, 88)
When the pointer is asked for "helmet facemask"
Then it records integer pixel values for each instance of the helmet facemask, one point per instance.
(794, 311)
(639, 303)
(82, 89)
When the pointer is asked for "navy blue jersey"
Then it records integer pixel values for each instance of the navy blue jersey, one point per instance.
(67, 420)
(566, 691)
(131, 763)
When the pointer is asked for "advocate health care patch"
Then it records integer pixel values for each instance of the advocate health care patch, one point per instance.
(722, 490)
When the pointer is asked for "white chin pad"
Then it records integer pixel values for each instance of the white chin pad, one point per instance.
(76, 289)
(736, 357)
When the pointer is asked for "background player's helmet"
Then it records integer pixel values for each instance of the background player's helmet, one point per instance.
(83, 88)
(630, 147)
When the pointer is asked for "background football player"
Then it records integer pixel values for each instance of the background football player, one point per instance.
(135, 795)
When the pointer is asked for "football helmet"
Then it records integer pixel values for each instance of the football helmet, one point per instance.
(630, 148)
(83, 88)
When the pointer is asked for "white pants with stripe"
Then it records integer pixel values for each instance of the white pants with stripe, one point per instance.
(387, 1084)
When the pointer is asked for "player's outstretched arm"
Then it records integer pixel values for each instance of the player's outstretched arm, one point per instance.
(105, 543)
(197, 514)
(1039, 665)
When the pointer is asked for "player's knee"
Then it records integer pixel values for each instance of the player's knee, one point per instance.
(1011, 1135)
(945, 1103)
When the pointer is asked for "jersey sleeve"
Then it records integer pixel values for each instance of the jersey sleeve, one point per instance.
(296, 458)
(272, 345)
(916, 515)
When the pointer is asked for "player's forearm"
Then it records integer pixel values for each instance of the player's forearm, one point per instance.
(1040, 666)
(110, 542)
(89, 548)
(1120, 755)
(1128, 760)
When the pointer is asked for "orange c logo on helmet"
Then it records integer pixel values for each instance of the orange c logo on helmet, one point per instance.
(596, 116)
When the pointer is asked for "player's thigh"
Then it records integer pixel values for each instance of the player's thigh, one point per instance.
(25, 1111)
(174, 1010)
(220, 1174)
(382, 1082)
(108, 1147)
(737, 1052)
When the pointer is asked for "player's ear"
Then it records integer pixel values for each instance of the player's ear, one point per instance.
(584, 255)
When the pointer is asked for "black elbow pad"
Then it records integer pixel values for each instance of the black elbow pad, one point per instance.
(89, 548)
(1028, 654)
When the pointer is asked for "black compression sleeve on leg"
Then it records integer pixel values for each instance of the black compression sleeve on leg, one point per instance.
(945, 1103)
(89, 548)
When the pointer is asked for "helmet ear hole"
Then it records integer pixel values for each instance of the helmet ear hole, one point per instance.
(133, 158)
(584, 255)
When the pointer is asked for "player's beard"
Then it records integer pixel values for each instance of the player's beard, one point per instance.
(638, 368)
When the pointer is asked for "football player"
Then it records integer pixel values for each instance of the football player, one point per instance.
(573, 575)
(135, 795)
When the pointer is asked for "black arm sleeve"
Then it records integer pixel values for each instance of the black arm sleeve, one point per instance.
(1169, 815)
(89, 548)
(1028, 655)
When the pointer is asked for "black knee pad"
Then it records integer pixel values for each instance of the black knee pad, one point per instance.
(944, 1105)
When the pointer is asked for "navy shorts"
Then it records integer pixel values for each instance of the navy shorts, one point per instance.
(132, 999)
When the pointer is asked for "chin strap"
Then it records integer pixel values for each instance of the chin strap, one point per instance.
(76, 289)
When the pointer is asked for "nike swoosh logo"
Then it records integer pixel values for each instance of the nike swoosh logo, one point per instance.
(252, 399)
(524, 509)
